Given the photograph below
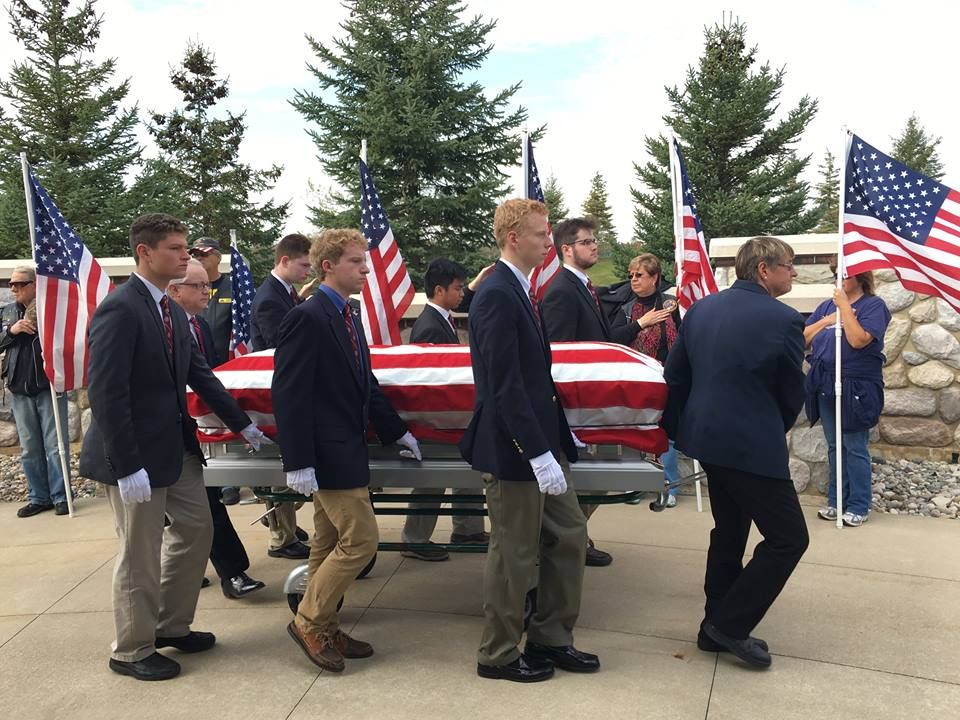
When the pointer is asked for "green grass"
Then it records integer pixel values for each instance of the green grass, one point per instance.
(603, 273)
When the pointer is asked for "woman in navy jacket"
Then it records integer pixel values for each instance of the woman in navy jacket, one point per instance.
(864, 318)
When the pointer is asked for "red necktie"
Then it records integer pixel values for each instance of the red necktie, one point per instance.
(167, 323)
(352, 332)
(198, 333)
(536, 310)
(454, 326)
(294, 297)
(593, 292)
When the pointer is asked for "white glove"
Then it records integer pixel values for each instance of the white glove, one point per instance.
(576, 441)
(134, 488)
(255, 437)
(549, 474)
(303, 481)
(409, 441)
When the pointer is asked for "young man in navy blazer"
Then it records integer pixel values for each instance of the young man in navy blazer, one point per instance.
(274, 299)
(324, 397)
(518, 438)
(735, 378)
(142, 445)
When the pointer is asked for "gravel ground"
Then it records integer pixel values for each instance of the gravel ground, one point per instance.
(13, 484)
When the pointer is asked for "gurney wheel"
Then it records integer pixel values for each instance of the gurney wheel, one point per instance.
(368, 568)
(293, 600)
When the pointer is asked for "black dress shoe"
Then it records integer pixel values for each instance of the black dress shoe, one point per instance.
(301, 534)
(749, 649)
(61, 508)
(31, 509)
(240, 585)
(597, 558)
(523, 669)
(707, 645)
(205, 583)
(230, 495)
(193, 642)
(152, 667)
(565, 657)
(294, 551)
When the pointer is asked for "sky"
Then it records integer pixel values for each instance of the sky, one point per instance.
(592, 73)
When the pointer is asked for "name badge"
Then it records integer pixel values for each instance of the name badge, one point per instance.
(225, 300)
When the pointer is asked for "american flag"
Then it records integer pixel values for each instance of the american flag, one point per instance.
(694, 274)
(542, 274)
(70, 285)
(241, 303)
(894, 217)
(611, 394)
(388, 291)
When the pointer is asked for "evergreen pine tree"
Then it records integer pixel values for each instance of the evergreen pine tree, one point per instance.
(828, 196)
(742, 164)
(68, 118)
(554, 199)
(436, 142)
(918, 150)
(597, 206)
(199, 169)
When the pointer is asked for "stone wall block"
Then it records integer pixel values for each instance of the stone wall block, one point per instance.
(934, 375)
(916, 432)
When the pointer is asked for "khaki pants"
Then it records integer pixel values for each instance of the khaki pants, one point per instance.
(156, 580)
(419, 528)
(345, 539)
(589, 510)
(526, 525)
(282, 521)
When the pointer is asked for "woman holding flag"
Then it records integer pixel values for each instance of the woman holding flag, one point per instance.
(864, 318)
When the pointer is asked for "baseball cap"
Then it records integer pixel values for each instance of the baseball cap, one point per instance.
(206, 245)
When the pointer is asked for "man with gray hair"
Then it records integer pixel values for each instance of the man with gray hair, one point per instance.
(735, 382)
(31, 399)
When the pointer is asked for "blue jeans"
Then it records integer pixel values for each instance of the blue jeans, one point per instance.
(671, 472)
(857, 473)
(38, 445)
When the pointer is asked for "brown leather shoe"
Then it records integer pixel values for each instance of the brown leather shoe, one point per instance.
(350, 648)
(319, 649)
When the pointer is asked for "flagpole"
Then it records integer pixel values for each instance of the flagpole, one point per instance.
(676, 187)
(57, 420)
(363, 150)
(525, 163)
(838, 333)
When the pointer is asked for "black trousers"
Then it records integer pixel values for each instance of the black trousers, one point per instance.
(227, 553)
(738, 597)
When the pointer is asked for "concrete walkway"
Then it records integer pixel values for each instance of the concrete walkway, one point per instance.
(867, 628)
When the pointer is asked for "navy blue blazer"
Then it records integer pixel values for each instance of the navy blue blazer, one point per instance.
(270, 305)
(517, 415)
(432, 327)
(206, 334)
(322, 401)
(138, 397)
(735, 379)
(570, 314)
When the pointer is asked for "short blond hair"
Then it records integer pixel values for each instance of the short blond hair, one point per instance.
(27, 270)
(649, 262)
(510, 215)
(330, 245)
(762, 248)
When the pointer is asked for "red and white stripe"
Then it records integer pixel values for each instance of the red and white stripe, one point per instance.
(932, 268)
(611, 394)
(694, 275)
(387, 293)
(543, 274)
(64, 309)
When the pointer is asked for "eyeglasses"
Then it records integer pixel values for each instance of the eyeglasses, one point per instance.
(788, 266)
(589, 242)
(198, 286)
(20, 284)
(637, 275)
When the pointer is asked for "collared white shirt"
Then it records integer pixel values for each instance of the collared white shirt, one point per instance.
(443, 311)
(156, 293)
(283, 282)
(524, 280)
(579, 273)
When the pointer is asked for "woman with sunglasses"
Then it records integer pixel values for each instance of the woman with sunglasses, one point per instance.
(658, 316)
(863, 319)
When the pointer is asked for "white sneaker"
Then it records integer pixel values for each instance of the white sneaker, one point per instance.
(828, 512)
(853, 520)
(671, 501)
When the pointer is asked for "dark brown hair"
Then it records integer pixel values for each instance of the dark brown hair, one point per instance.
(565, 233)
(151, 228)
(292, 246)
(865, 279)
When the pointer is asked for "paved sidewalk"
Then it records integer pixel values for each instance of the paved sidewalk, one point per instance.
(867, 628)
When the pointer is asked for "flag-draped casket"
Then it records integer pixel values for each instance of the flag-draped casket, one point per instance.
(611, 394)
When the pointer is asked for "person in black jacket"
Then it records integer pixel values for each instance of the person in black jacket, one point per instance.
(31, 400)
(735, 382)
(142, 445)
(518, 438)
(275, 297)
(324, 397)
(227, 553)
(219, 313)
(445, 286)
